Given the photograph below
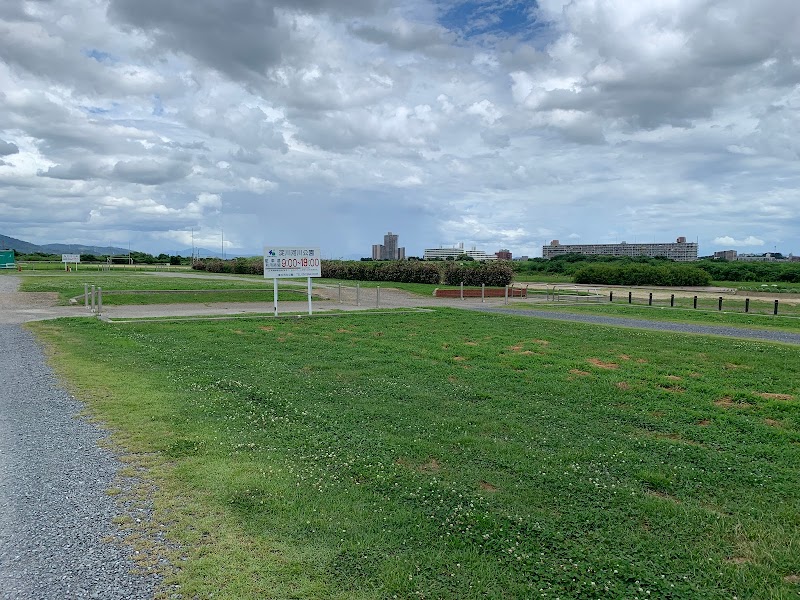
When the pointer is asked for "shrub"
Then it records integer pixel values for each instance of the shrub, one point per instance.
(247, 266)
(642, 274)
(493, 274)
(400, 271)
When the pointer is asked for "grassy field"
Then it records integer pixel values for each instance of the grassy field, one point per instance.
(452, 455)
(542, 278)
(771, 287)
(49, 266)
(701, 316)
(235, 289)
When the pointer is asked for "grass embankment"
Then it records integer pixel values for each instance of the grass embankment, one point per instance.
(83, 267)
(192, 289)
(454, 455)
(706, 316)
(767, 287)
(757, 305)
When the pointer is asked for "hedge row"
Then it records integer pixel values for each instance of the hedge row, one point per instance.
(493, 274)
(245, 266)
(401, 271)
(633, 274)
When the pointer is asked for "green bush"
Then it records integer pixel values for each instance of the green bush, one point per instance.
(247, 266)
(642, 274)
(396, 270)
(403, 271)
(493, 274)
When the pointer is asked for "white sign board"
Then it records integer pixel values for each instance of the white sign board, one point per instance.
(294, 261)
(70, 258)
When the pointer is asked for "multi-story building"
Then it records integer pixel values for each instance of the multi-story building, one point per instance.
(756, 257)
(455, 252)
(389, 250)
(726, 254)
(680, 250)
(503, 255)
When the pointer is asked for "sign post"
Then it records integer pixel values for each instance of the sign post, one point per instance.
(70, 258)
(291, 262)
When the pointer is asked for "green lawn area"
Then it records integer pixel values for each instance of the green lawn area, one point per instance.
(771, 287)
(70, 285)
(421, 289)
(542, 278)
(704, 315)
(452, 455)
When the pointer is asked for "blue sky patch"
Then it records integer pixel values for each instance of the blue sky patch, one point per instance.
(99, 55)
(499, 17)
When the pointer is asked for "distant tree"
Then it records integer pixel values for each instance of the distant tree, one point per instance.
(463, 257)
(173, 260)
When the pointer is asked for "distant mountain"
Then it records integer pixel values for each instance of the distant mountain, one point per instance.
(81, 249)
(10, 243)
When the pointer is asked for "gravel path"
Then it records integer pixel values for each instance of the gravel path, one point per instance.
(736, 332)
(54, 510)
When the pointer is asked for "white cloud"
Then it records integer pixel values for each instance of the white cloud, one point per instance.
(727, 240)
(260, 186)
(135, 119)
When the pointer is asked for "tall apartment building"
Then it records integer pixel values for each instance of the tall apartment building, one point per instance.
(680, 250)
(389, 250)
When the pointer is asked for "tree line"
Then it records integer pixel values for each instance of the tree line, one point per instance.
(718, 270)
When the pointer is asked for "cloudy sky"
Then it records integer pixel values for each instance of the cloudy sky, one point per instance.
(496, 123)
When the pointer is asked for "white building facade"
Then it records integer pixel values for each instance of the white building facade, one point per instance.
(680, 250)
(455, 252)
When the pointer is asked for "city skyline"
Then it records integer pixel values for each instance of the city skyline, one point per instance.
(502, 125)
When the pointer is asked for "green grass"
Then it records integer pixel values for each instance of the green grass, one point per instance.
(49, 266)
(768, 287)
(542, 278)
(70, 285)
(421, 289)
(209, 297)
(701, 316)
(453, 455)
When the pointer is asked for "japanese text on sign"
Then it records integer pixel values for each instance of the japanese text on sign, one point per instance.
(282, 262)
